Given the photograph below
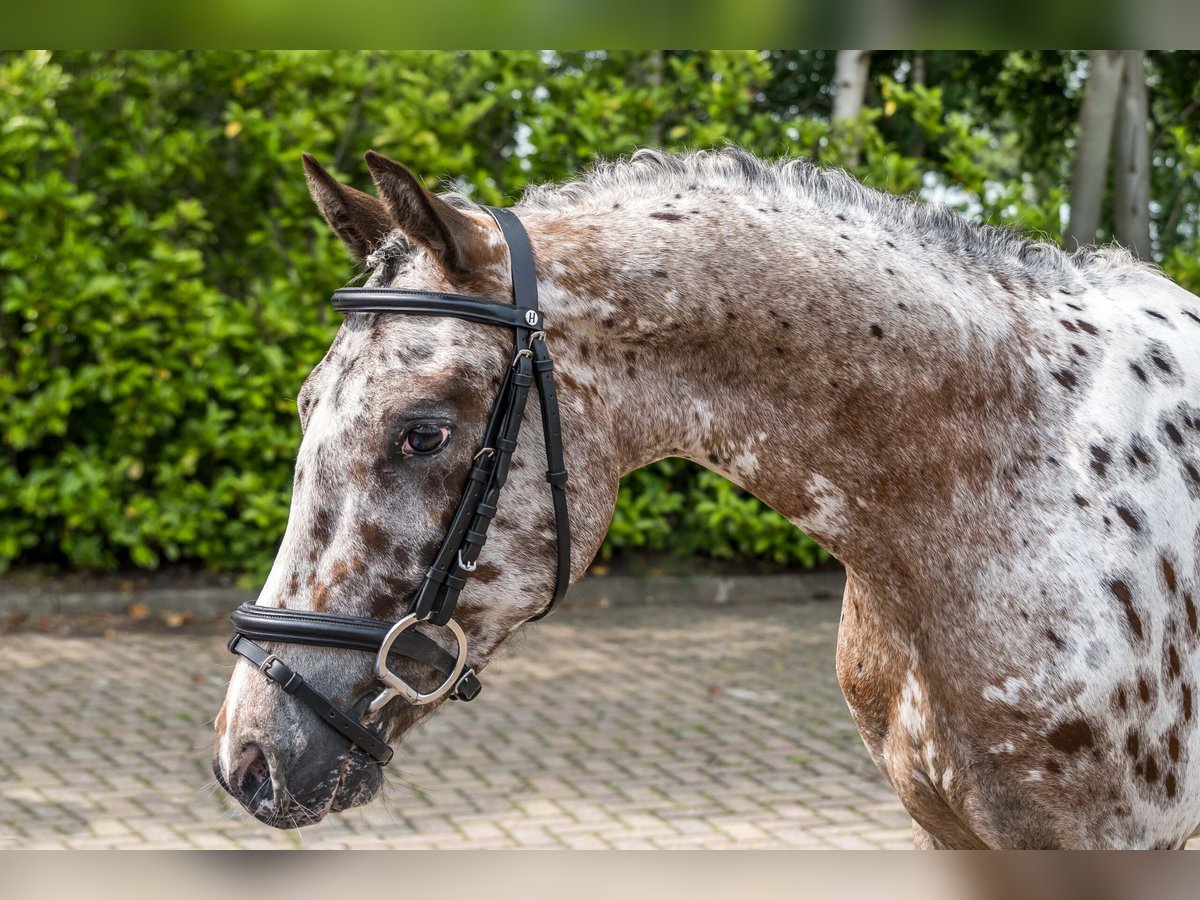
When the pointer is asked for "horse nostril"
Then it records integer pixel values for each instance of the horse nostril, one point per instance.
(252, 779)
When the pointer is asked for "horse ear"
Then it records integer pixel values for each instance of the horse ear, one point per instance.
(457, 240)
(361, 221)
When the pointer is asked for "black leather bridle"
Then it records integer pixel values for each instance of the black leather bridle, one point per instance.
(436, 597)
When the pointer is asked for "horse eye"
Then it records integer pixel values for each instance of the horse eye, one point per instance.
(423, 439)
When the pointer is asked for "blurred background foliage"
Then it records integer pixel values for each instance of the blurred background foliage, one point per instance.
(164, 279)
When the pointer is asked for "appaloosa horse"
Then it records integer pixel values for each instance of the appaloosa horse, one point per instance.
(999, 440)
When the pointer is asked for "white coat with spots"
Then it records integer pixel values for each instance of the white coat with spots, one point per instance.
(1001, 442)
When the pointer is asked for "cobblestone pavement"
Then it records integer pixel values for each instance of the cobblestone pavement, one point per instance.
(624, 727)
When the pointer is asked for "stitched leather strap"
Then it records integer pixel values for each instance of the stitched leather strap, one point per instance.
(556, 471)
(275, 669)
(525, 296)
(432, 303)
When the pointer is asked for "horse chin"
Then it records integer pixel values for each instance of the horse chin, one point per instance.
(359, 786)
(359, 781)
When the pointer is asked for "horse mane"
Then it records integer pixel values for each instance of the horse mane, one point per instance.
(832, 192)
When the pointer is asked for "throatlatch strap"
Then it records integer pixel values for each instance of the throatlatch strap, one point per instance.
(556, 471)
(525, 295)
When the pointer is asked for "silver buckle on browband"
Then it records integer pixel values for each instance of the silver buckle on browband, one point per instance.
(396, 686)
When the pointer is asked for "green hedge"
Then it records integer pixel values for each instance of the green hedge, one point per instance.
(164, 277)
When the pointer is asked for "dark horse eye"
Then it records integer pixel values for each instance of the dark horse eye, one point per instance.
(424, 439)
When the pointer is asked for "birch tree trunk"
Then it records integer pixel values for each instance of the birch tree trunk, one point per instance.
(1093, 140)
(654, 75)
(851, 68)
(850, 82)
(1131, 158)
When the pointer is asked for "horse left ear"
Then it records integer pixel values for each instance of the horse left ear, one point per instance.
(458, 241)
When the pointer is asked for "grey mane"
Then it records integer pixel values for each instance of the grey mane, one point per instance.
(835, 193)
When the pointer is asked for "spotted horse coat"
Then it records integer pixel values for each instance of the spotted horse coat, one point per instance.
(999, 440)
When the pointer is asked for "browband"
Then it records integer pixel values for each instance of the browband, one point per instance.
(431, 303)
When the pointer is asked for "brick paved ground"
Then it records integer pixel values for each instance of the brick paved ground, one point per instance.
(626, 727)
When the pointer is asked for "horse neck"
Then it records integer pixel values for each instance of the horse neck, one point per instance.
(809, 359)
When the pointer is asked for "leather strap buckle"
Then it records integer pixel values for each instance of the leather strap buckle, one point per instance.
(468, 686)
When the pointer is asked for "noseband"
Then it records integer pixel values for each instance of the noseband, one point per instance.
(436, 597)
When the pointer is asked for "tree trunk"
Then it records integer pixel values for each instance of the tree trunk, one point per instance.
(1092, 144)
(654, 73)
(850, 82)
(850, 87)
(917, 79)
(1131, 158)
(918, 68)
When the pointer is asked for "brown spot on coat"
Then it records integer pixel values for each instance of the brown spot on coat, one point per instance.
(667, 216)
(1066, 378)
(320, 596)
(402, 555)
(373, 537)
(1168, 571)
(1129, 518)
(485, 573)
(1072, 736)
(1121, 591)
(322, 526)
